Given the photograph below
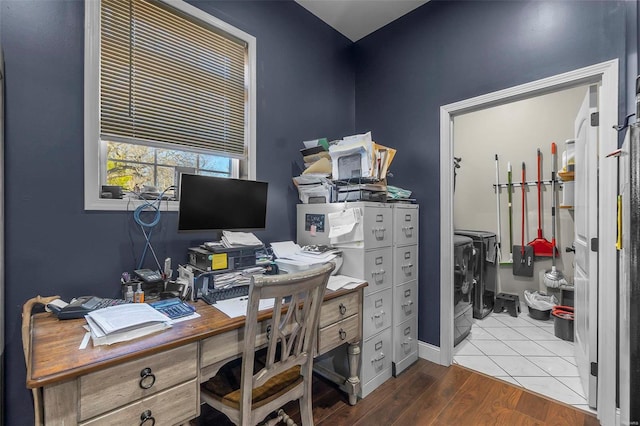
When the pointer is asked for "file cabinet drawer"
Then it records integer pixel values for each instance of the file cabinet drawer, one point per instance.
(405, 225)
(406, 264)
(377, 227)
(405, 301)
(136, 379)
(377, 312)
(376, 354)
(405, 339)
(170, 407)
(378, 267)
(339, 308)
(346, 330)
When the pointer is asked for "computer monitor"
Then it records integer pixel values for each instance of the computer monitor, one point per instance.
(214, 203)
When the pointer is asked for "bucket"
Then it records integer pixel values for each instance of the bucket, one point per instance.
(563, 322)
(539, 314)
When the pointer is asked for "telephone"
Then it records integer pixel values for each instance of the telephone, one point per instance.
(81, 306)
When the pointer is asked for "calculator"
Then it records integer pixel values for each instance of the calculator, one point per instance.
(173, 308)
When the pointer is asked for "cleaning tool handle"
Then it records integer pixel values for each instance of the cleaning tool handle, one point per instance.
(539, 208)
(553, 148)
(523, 193)
(509, 190)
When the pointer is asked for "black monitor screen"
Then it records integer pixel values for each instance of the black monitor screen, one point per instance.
(213, 203)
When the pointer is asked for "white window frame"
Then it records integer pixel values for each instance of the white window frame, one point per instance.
(92, 154)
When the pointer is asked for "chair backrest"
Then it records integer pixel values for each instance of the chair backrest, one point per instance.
(298, 299)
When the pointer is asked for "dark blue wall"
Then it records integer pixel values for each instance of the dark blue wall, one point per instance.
(305, 80)
(448, 51)
(440, 53)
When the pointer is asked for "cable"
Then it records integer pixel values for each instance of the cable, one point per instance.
(154, 205)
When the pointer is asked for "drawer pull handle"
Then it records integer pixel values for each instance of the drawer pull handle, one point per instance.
(343, 334)
(407, 342)
(378, 275)
(378, 233)
(408, 265)
(269, 332)
(147, 374)
(407, 228)
(147, 416)
(378, 315)
(343, 309)
(380, 358)
(407, 304)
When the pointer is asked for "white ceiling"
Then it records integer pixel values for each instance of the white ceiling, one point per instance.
(358, 18)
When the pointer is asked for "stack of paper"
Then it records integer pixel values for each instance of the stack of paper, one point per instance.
(291, 257)
(239, 239)
(120, 323)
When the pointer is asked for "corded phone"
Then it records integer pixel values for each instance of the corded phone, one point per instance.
(81, 306)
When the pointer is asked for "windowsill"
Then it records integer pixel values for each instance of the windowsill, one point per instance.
(105, 204)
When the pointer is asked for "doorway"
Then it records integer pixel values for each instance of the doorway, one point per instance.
(604, 75)
(522, 350)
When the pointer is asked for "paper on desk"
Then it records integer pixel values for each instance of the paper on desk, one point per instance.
(337, 282)
(237, 307)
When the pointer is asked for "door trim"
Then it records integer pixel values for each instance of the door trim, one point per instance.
(606, 75)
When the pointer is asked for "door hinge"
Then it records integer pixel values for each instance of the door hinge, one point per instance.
(595, 119)
(594, 244)
(594, 369)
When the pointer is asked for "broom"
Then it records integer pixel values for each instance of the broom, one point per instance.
(553, 278)
(542, 247)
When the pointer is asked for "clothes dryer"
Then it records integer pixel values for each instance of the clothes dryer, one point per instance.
(485, 271)
(463, 280)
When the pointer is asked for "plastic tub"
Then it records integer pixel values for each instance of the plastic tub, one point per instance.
(538, 314)
(563, 322)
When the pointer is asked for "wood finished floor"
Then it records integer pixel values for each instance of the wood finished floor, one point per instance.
(430, 394)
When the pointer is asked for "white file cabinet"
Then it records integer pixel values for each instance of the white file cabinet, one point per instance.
(375, 259)
(405, 286)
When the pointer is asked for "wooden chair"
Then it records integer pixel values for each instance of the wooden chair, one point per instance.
(27, 309)
(261, 385)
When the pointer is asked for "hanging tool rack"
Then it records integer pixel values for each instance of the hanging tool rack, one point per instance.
(530, 183)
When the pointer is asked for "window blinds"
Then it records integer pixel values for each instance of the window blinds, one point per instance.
(165, 78)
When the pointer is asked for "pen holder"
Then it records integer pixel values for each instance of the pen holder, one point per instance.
(151, 290)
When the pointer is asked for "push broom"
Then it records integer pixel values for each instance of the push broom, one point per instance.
(553, 278)
(542, 247)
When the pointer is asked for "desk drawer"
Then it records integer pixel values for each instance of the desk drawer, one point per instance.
(347, 330)
(114, 387)
(173, 406)
(223, 346)
(339, 308)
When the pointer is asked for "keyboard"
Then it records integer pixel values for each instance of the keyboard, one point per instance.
(226, 293)
(173, 308)
(99, 303)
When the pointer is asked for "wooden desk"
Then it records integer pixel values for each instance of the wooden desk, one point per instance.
(159, 376)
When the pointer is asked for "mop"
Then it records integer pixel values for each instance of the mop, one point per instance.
(509, 192)
(542, 247)
(553, 278)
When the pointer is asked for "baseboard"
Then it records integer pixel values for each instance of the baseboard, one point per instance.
(429, 352)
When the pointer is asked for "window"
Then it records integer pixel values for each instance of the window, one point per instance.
(168, 89)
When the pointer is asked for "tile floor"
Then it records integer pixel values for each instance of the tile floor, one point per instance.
(523, 351)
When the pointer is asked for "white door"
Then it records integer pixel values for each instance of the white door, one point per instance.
(586, 259)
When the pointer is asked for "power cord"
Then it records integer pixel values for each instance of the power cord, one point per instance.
(149, 206)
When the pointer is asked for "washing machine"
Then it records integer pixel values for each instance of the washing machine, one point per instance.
(485, 270)
(463, 283)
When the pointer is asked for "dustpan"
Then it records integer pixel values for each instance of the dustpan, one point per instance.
(523, 255)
